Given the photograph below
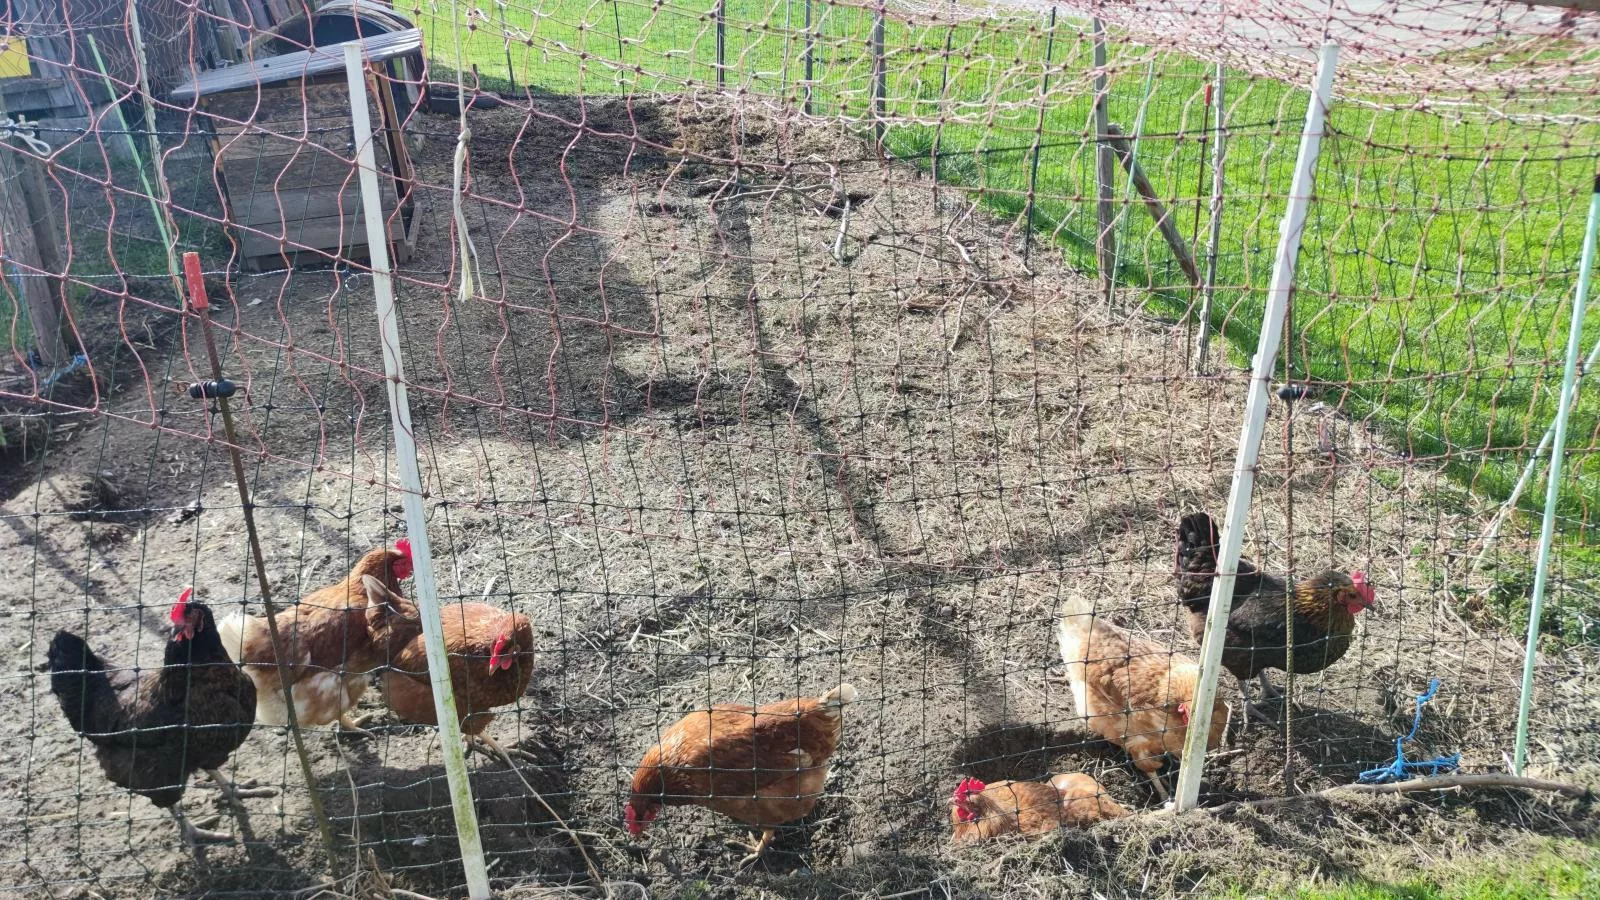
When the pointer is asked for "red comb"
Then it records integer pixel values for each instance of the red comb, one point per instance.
(968, 787)
(179, 608)
(404, 546)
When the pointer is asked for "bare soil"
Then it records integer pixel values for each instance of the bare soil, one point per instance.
(726, 437)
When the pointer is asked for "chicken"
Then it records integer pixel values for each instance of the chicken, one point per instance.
(491, 661)
(1131, 690)
(1257, 637)
(760, 766)
(979, 812)
(152, 729)
(334, 639)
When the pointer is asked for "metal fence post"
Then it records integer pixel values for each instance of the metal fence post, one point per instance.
(1105, 167)
(427, 589)
(1552, 491)
(1208, 289)
(811, 46)
(1255, 421)
(880, 74)
(722, 42)
(1038, 134)
(944, 86)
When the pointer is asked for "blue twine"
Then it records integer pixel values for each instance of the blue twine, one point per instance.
(1402, 767)
(49, 381)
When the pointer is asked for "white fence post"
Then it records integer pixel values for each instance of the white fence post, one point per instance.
(1255, 421)
(426, 595)
(1552, 492)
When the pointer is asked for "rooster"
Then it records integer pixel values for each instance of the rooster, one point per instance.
(491, 661)
(763, 766)
(1325, 610)
(152, 729)
(979, 812)
(335, 637)
(1131, 690)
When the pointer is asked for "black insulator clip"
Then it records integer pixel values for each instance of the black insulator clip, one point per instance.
(211, 390)
(1292, 392)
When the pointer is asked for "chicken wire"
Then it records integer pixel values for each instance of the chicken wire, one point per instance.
(782, 364)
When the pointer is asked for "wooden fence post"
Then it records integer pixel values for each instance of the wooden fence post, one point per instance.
(1105, 168)
(22, 263)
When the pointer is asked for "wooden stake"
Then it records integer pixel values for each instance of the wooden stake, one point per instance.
(1158, 210)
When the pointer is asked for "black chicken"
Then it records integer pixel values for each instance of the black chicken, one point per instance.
(151, 730)
(1325, 609)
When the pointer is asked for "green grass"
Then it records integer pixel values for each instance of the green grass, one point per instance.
(1562, 869)
(1433, 289)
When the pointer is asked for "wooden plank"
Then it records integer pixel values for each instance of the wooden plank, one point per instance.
(249, 175)
(294, 103)
(394, 137)
(275, 212)
(333, 235)
(327, 131)
(1152, 202)
(298, 65)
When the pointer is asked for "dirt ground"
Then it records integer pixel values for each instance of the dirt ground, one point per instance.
(726, 437)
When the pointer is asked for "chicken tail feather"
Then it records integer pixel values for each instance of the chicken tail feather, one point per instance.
(839, 697)
(78, 679)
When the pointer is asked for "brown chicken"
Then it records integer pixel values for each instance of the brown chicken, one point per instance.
(154, 728)
(763, 767)
(491, 661)
(1325, 609)
(979, 812)
(1132, 691)
(335, 637)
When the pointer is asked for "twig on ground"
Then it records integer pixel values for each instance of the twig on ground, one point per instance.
(1417, 785)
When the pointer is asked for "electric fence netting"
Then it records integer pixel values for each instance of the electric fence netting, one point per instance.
(654, 356)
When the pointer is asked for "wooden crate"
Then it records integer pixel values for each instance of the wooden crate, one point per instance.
(290, 175)
(284, 153)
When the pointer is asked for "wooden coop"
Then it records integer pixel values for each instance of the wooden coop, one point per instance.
(284, 148)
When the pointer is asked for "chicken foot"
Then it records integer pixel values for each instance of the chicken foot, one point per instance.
(351, 728)
(1251, 709)
(1269, 691)
(194, 836)
(757, 847)
(485, 744)
(234, 792)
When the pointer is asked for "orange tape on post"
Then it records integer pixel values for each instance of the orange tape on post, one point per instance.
(197, 281)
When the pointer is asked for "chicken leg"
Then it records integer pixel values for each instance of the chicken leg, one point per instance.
(757, 847)
(233, 792)
(1251, 710)
(1160, 786)
(193, 836)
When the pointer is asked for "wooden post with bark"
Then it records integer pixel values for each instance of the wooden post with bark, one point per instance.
(24, 263)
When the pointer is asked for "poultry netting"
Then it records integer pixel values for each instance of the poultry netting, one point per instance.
(755, 349)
